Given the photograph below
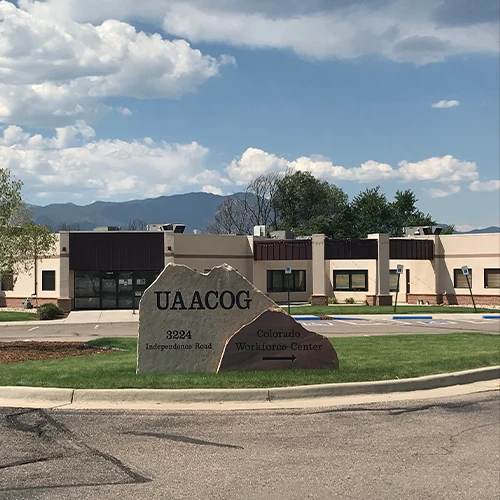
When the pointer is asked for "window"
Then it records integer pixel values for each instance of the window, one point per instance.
(277, 281)
(350, 281)
(492, 278)
(393, 281)
(48, 281)
(7, 281)
(460, 281)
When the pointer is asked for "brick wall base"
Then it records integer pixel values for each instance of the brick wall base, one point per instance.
(64, 304)
(319, 300)
(379, 300)
(453, 300)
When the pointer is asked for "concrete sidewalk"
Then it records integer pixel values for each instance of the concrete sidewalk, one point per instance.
(128, 316)
(445, 384)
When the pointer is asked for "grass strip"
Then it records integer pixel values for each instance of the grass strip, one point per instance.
(361, 359)
(337, 309)
(16, 316)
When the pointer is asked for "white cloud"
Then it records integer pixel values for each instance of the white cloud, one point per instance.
(493, 185)
(440, 169)
(464, 228)
(124, 111)
(445, 104)
(211, 190)
(55, 70)
(71, 162)
(443, 193)
(400, 30)
(446, 169)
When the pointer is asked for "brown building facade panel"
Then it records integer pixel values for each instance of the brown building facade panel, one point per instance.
(411, 249)
(116, 251)
(350, 249)
(283, 250)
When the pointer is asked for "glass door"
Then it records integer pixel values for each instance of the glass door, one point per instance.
(125, 290)
(109, 290)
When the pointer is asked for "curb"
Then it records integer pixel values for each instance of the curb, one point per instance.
(491, 316)
(407, 316)
(55, 396)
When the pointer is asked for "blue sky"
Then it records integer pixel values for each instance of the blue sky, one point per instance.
(114, 102)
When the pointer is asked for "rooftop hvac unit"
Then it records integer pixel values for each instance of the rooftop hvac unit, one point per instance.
(176, 228)
(260, 231)
(106, 228)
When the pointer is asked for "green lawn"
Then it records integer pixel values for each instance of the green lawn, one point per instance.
(361, 359)
(16, 316)
(340, 309)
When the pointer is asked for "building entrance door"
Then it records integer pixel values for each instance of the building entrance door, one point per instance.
(108, 290)
(125, 290)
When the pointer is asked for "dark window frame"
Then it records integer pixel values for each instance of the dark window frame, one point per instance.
(295, 276)
(350, 272)
(7, 282)
(52, 280)
(458, 272)
(486, 270)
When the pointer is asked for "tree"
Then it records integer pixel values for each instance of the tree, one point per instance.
(370, 213)
(239, 213)
(449, 229)
(21, 240)
(69, 226)
(406, 214)
(136, 225)
(305, 204)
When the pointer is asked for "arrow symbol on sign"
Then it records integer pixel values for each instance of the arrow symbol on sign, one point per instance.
(291, 358)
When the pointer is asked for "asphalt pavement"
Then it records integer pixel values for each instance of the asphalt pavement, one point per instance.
(446, 448)
(374, 325)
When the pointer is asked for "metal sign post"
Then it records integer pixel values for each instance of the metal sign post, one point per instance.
(465, 272)
(288, 273)
(399, 270)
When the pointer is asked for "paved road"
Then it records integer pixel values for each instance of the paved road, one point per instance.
(442, 448)
(332, 328)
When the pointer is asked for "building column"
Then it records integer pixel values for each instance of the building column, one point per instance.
(383, 296)
(168, 239)
(319, 297)
(64, 300)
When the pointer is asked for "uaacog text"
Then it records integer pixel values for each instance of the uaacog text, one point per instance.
(210, 300)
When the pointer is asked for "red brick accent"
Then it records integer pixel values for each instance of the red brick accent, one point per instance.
(432, 298)
(453, 299)
(379, 300)
(319, 300)
(18, 302)
(466, 300)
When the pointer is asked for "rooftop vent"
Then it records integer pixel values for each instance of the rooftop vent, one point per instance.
(106, 228)
(176, 228)
(422, 230)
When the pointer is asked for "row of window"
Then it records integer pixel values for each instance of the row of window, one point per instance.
(278, 281)
(491, 278)
(357, 280)
(48, 281)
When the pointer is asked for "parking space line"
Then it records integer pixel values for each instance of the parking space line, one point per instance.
(34, 328)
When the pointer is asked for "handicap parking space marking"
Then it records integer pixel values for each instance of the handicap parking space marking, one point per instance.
(439, 322)
(316, 323)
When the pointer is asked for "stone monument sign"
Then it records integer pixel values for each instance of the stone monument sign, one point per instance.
(275, 341)
(186, 318)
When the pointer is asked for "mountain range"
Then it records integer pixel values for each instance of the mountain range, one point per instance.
(194, 210)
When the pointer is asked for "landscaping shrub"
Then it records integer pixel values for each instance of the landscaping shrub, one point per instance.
(49, 311)
(333, 300)
(349, 300)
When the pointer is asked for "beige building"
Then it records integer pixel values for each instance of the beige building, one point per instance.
(111, 269)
